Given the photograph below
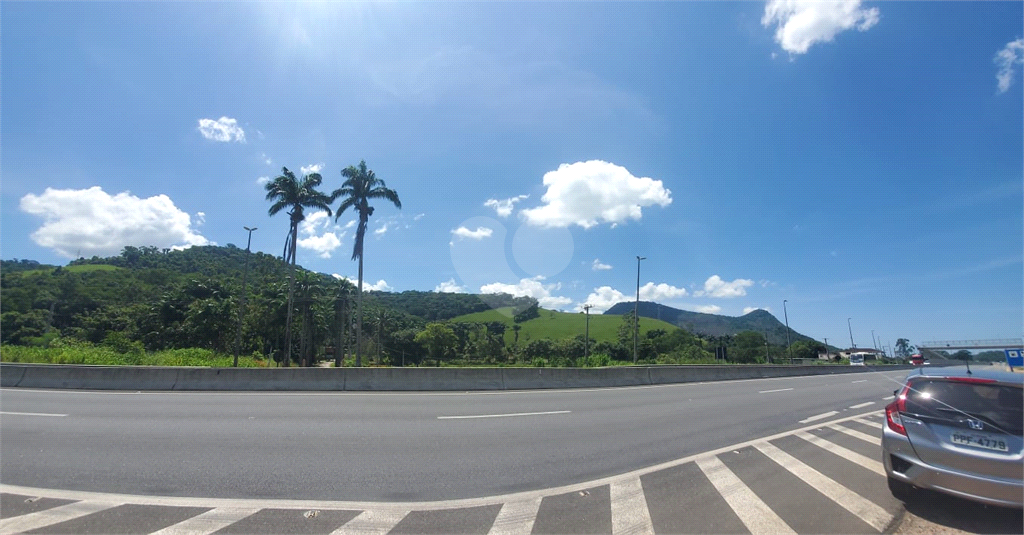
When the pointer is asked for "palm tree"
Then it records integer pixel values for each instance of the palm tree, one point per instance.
(296, 195)
(361, 185)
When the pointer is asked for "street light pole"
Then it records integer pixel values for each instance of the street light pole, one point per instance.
(852, 345)
(873, 341)
(826, 351)
(636, 308)
(241, 309)
(789, 351)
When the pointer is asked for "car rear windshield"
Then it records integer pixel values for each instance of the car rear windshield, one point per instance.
(1001, 406)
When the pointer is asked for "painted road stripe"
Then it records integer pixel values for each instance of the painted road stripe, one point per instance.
(501, 415)
(770, 391)
(819, 417)
(868, 422)
(371, 523)
(516, 518)
(850, 455)
(208, 522)
(32, 414)
(862, 405)
(867, 511)
(49, 517)
(629, 508)
(754, 513)
(861, 381)
(857, 434)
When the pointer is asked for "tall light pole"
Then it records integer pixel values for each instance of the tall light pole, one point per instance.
(241, 309)
(636, 308)
(789, 352)
(873, 341)
(852, 345)
(826, 351)
(586, 337)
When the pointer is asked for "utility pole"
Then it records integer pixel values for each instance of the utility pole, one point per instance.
(241, 308)
(636, 308)
(789, 351)
(852, 344)
(826, 350)
(767, 357)
(873, 341)
(586, 337)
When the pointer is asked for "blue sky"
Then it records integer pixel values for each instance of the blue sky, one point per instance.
(857, 160)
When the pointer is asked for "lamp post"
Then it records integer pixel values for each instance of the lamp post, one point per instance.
(586, 337)
(852, 345)
(241, 309)
(826, 351)
(873, 341)
(636, 308)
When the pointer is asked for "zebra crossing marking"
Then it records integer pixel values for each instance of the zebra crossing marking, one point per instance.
(208, 522)
(867, 511)
(850, 455)
(516, 518)
(877, 425)
(856, 434)
(752, 511)
(630, 515)
(372, 523)
(49, 517)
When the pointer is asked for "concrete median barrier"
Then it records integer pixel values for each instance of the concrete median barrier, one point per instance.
(387, 379)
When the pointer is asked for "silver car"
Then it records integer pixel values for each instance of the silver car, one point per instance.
(957, 431)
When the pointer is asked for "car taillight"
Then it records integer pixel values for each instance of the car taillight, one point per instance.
(892, 411)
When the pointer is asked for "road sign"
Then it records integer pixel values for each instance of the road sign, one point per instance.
(1015, 358)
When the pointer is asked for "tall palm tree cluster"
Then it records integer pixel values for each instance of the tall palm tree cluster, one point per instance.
(288, 192)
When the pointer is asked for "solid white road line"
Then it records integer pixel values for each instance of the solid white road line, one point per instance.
(32, 414)
(868, 422)
(629, 508)
(854, 433)
(864, 509)
(371, 523)
(819, 417)
(862, 405)
(516, 518)
(49, 517)
(850, 455)
(501, 415)
(861, 381)
(208, 522)
(754, 513)
(777, 390)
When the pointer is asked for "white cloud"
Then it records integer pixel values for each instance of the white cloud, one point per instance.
(200, 218)
(504, 208)
(802, 23)
(478, 234)
(449, 286)
(323, 244)
(705, 309)
(379, 286)
(605, 297)
(589, 193)
(598, 266)
(223, 129)
(534, 288)
(716, 287)
(382, 230)
(91, 222)
(262, 180)
(263, 156)
(310, 169)
(417, 217)
(1006, 58)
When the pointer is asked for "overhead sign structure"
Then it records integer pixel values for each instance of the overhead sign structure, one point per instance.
(1015, 358)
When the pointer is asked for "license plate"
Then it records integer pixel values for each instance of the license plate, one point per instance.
(979, 441)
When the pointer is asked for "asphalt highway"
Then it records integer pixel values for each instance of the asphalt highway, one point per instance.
(391, 447)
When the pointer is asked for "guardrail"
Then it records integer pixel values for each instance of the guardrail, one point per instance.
(387, 379)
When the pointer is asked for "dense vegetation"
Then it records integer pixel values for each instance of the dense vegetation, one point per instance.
(181, 307)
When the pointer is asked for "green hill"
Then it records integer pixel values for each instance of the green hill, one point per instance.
(555, 325)
(759, 321)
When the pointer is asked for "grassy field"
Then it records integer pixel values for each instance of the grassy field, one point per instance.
(560, 325)
(100, 355)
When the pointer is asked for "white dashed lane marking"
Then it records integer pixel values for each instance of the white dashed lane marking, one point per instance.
(817, 417)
